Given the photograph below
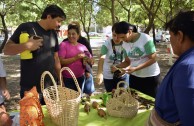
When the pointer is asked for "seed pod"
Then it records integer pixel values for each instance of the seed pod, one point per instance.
(102, 113)
(88, 98)
(121, 91)
(95, 105)
(113, 91)
(87, 107)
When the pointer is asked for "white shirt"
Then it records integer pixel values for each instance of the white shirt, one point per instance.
(138, 51)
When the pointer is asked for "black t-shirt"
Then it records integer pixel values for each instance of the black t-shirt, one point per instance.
(43, 58)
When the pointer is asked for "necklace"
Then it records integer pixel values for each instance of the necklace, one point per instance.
(133, 40)
(115, 52)
(131, 44)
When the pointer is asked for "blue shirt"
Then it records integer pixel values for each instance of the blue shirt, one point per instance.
(175, 96)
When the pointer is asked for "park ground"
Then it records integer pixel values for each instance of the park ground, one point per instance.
(12, 66)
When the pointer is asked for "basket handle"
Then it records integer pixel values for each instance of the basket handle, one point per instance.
(120, 82)
(128, 88)
(72, 74)
(53, 80)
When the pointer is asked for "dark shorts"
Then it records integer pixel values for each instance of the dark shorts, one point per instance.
(69, 83)
(112, 83)
(47, 82)
(146, 85)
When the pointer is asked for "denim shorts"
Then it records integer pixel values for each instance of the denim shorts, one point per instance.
(89, 85)
(1, 97)
(2, 70)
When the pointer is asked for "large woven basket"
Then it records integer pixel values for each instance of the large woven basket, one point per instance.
(62, 103)
(122, 104)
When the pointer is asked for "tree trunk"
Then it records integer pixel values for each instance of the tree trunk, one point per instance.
(5, 31)
(153, 31)
(113, 11)
(150, 24)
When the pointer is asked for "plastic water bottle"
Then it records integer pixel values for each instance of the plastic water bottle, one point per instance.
(24, 36)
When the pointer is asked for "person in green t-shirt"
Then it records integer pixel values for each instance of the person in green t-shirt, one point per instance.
(112, 53)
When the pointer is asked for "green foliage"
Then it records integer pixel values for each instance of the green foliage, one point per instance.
(30, 10)
(103, 18)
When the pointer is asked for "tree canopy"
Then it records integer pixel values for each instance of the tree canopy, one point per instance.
(146, 13)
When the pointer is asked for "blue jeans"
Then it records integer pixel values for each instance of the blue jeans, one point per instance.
(112, 83)
(89, 85)
(69, 83)
(1, 98)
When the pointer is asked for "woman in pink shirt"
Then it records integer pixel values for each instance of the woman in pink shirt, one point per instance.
(72, 54)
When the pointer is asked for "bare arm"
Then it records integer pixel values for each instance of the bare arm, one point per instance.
(150, 61)
(71, 60)
(3, 87)
(122, 66)
(12, 48)
(125, 63)
(2, 83)
(57, 64)
(99, 77)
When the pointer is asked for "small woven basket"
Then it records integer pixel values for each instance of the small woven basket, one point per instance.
(122, 104)
(62, 103)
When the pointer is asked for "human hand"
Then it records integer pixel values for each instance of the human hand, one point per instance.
(34, 43)
(87, 74)
(6, 94)
(80, 55)
(2, 110)
(90, 61)
(122, 73)
(99, 79)
(113, 68)
(130, 70)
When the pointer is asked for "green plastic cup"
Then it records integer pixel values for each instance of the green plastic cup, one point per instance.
(105, 98)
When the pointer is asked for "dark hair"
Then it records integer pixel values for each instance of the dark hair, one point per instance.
(78, 25)
(114, 26)
(123, 28)
(54, 11)
(183, 21)
(75, 27)
(134, 28)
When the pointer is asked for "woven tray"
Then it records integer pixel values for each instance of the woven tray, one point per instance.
(122, 104)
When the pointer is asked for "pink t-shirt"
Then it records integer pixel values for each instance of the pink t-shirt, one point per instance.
(67, 50)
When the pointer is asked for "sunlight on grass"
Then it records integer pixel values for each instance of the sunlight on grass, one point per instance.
(15, 75)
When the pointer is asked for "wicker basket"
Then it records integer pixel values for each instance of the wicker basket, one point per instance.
(122, 104)
(62, 103)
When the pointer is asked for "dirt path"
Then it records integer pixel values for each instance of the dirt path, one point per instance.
(11, 64)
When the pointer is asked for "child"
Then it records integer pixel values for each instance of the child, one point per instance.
(4, 93)
(112, 54)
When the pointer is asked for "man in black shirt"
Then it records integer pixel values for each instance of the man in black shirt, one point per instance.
(44, 50)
